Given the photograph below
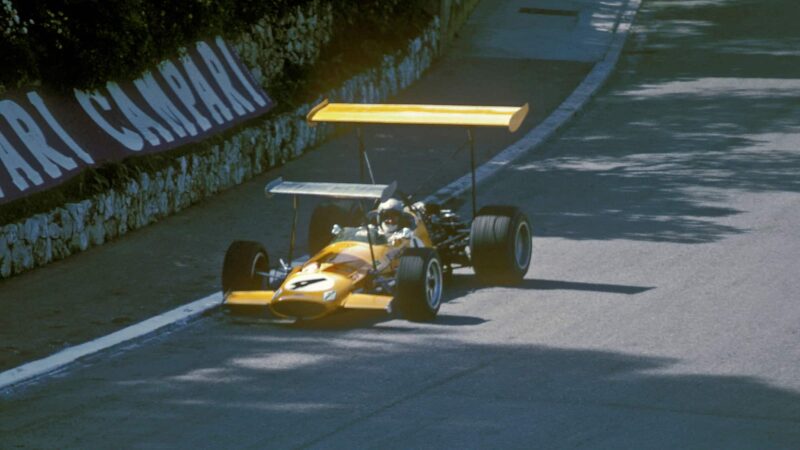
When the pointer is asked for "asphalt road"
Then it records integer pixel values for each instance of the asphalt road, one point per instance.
(661, 310)
(178, 259)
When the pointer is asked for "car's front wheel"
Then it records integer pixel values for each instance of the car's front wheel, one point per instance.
(245, 266)
(419, 284)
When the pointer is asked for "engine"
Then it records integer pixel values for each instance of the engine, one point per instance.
(449, 233)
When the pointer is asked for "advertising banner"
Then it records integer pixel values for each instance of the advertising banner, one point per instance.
(47, 138)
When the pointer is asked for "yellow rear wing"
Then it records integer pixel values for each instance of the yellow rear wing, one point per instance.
(484, 116)
(469, 117)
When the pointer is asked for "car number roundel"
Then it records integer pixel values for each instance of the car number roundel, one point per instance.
(312, 282)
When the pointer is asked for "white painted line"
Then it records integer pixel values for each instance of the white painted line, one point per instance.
(69, 355)
(577, 100)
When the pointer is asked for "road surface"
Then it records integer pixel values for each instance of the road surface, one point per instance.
(661, 309)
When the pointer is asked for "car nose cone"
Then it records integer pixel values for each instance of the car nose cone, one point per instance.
(301, 309)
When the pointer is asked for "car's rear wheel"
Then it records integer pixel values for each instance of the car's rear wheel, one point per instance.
(500, 242)
(419, 284)
(324, 217)
(244, 267)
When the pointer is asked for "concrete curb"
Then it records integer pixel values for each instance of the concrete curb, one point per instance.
(50, 364)
(183, 314)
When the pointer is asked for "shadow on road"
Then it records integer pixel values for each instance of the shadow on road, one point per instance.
(462, 284)
(458, 286)
(697, 116)
(284, 387)
(352, 320)
(591, 287)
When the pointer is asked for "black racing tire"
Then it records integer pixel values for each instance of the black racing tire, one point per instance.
(500, 244)
(419, 284)
(324, 217)
(243, 261)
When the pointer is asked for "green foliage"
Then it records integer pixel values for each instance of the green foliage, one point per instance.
(366, 31)
(83, 43)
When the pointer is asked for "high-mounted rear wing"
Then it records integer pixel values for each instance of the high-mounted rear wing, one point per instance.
(483, 116)
(335, 190)
(510, 117)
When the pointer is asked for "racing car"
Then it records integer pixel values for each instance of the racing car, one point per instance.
(354, 263)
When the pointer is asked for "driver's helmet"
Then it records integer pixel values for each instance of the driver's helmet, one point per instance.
(389, 214)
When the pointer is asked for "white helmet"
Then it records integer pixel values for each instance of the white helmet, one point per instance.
(389, 214)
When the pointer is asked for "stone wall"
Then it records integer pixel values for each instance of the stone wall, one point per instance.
(294, 38)
(297, 38)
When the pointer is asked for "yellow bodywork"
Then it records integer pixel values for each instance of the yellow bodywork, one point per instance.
(486, 116)
(367, 301)
(249, 298)
(331, 280)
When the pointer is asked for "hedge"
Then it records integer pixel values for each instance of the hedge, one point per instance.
(69, 44)
(364, 31)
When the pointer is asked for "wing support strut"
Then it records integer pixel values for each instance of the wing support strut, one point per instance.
(467, 116)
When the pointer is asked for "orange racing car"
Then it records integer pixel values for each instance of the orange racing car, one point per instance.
(355, 261)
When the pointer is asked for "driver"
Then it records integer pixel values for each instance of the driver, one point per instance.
(394, 222)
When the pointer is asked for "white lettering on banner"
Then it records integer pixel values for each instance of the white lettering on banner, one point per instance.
(31, 135)
(137, 117)
(207, 95)
(239, 103)
(235, 67)
(38, 103)
(181, 88)
(44, 139)
(245, 82)
(129, 138)
(162, 105)
(16, 166)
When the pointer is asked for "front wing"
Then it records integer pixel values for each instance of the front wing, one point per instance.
(249, 300)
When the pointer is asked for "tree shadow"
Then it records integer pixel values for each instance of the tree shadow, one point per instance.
(694, 120)
(288, 388)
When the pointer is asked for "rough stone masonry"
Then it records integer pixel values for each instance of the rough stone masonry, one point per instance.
(75, 227)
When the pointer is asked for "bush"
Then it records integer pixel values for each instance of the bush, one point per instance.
(73, 48)
(365, 31)
(83, 43)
